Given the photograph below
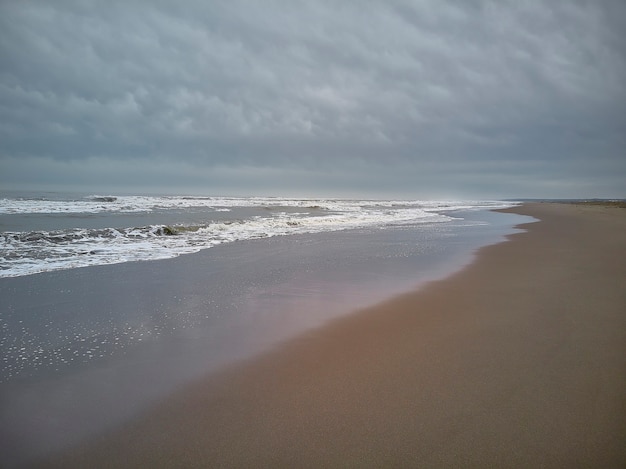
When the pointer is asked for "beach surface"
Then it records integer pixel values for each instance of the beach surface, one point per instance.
(518, 360)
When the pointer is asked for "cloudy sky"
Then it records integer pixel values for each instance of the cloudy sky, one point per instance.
(423, 98)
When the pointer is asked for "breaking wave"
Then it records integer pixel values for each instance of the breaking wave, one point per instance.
(30, 252)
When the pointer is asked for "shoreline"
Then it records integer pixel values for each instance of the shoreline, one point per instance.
(200, 313)
(518, 359)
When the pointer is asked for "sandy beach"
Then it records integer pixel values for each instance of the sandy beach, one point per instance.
(518, 360)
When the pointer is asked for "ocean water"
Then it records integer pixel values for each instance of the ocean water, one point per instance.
(108, 303)
(43, 232)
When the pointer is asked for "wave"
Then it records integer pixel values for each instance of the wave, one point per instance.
(102, 198)
(133, 204)
(30, 252)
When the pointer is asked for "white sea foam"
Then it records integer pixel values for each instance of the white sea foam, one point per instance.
(135, 204)
(25, 253)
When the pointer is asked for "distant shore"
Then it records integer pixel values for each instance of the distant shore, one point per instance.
(519, 360)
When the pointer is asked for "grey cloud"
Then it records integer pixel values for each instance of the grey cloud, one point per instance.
(403, 91)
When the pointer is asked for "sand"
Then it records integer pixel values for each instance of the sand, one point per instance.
(519, 360)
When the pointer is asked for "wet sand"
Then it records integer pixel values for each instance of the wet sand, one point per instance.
(519, 360)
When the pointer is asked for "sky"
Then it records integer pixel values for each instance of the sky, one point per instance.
(350, 98)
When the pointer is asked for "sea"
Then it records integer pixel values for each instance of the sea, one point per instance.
(109, 302)
(43, 232)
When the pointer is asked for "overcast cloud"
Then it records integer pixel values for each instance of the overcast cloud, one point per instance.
(392, 98)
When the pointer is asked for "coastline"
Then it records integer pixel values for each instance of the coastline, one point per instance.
(151, 328)
(517, 360)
